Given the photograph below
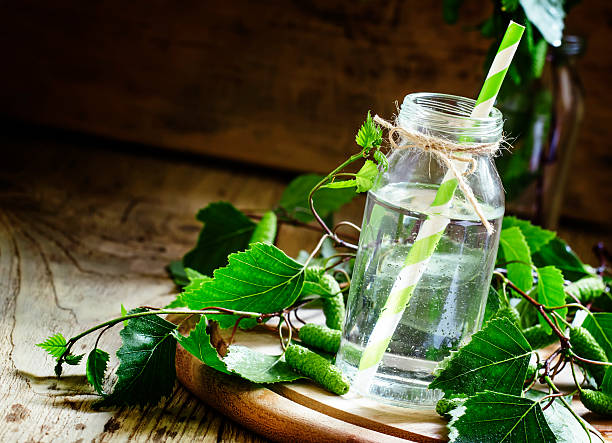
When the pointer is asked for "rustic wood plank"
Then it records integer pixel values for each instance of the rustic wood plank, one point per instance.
(77, 239)
(275, 83)
(84, 228)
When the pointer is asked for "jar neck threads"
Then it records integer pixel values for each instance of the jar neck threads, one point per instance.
(448, 117)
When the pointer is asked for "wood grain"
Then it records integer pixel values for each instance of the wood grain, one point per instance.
(275, 83)
(80, 233)
(266, 412)
(84, 227)
(352, 411)
(326, 416)
(278, 83)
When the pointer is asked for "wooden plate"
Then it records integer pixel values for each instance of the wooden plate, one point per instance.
(301, 411)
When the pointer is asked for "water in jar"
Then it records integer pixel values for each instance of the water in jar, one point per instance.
(447, 305)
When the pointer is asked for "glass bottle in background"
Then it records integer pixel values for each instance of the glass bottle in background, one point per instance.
(568, 110)
(548, 121)
(447, 304)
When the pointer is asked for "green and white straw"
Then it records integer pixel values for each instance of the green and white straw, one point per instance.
(432, 229)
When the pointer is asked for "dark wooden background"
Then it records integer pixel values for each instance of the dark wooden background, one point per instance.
(278, 83)
(92, 209)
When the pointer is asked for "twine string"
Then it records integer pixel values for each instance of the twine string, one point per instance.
(449, 153)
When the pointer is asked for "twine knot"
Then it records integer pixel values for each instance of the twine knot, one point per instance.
(458, 157)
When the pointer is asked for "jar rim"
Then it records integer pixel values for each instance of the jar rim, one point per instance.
(450, 114)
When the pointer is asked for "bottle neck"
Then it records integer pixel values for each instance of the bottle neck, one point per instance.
(448, 117)
(571, 49)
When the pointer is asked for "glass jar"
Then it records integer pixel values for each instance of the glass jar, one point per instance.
(447, 303)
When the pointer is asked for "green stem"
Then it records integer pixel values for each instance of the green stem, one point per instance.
(345, 174)
(316, 250)
(541, 309)
(586, 360)
(574, 375)
(505, 292)
(550, 383)
(569, 305)
(569, 408)
(353, 158)
(561, 319)
(577, 417)
(572, 305)
(109, 323)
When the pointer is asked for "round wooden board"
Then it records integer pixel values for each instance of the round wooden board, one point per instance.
(301, 411)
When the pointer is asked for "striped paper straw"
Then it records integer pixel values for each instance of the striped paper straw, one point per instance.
(432, 229)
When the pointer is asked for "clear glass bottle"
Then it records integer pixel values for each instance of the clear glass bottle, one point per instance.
(448, 302)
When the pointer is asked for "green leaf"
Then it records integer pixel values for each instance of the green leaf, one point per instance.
(195, 279)
(123, 314)
(557, 253)
(240, 360)
(600, 327)
(176, 303)
(225, 230)
(177, 272)
(606, 384)
(262, 279)
(487, 29)
(586, 289)
(54, 345)
(527, 41)
(181, 275)
(196, 283)
(341, 184)
(294, 200)
(370, 134)
(265, 231)
(363, 181)
(198, 344)
(547, 16)
(493, 417)
(96, 367)
(529, 316)
(146, 370)
(381, 160)
(493, 303)
(515, 248)
(257, 367)
(366, 176)
(318, 282)
(497, 357)
(192, 274)
(535, 236)
(539, 58)
(561, 421)
(550, 292)
(73, 359)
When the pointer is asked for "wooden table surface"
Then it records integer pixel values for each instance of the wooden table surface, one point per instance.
(84, 227)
